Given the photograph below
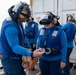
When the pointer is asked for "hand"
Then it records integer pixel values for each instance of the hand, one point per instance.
(62, 65)
(38, 52)
(26, 62)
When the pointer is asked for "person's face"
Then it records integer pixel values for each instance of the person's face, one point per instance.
(69, 19)
(23, 16)
(49, 25)
(55, 20)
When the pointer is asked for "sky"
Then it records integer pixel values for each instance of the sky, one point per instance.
(4, 6)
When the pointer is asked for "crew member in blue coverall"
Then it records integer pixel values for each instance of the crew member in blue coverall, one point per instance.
(56, 22)
(31, 31)
(12, 40)
(53, 40)
(70, 30)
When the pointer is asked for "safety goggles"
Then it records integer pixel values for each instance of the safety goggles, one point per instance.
(25, 15)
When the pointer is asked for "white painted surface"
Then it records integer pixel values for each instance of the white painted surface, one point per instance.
(5, 5)
(64, 7)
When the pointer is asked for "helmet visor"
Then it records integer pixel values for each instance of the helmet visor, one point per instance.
(26, 12)
(46, 19)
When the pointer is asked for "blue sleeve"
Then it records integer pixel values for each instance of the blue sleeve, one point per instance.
(27, 43)
(38, 41)
(65, 27)
(63, 41)
(36, 33)
(11, 34)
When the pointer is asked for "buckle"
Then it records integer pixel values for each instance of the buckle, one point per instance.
(49, 51)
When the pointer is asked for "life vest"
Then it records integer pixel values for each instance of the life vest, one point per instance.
(30, 29)
(51, 40)
(6, 49)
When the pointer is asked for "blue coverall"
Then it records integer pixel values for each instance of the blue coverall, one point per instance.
(31, 30)
(12, 42)
(54, 39)
(70, 30)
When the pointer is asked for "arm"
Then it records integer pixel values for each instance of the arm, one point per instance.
(11, 34)
(27, 43)
(36, 33)
(63, 41)
(65, 27)
(38, 42)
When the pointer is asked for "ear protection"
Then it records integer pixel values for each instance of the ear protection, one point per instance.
(46, 19)
(16, 10)
(55, 16)
(11, 13)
